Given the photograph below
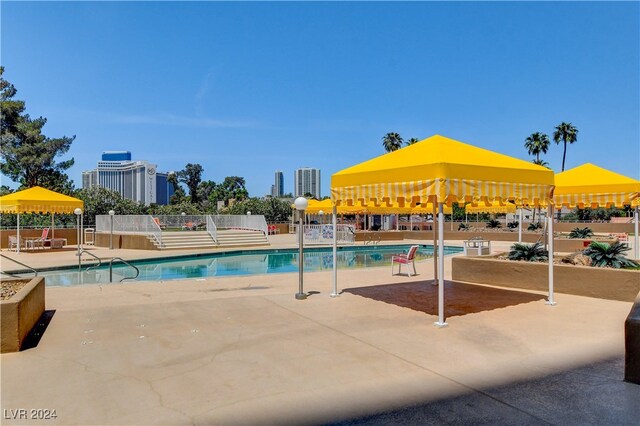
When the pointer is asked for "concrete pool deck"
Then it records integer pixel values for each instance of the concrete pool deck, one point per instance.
(242, 350)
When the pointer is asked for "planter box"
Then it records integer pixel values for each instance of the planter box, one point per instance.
(602, 283)
(570, 245)
(20, 313)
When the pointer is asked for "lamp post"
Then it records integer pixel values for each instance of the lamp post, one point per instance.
(78, 212)
(301, 205)
(111, 213)
(321, 214)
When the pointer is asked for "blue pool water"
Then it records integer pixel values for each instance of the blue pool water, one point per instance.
(246, 262)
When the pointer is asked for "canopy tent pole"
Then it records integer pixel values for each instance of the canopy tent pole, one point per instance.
(53, 232)
(397, 222)
(441, 322)
(435, 247)
(18, 235)
(519, 225)
(636, 249)
(550, 243)
(335, 251)
(410, 222)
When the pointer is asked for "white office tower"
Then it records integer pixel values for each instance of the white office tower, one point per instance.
(306, 180)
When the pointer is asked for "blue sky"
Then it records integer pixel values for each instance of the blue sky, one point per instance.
(248, 88)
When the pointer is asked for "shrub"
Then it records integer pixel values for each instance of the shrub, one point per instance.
(528, 252)
(463, 227)
(609, 255)
(513, 225)
(534, 226)
(580, 233)
(493, 223)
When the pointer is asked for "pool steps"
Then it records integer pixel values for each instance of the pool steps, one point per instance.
(202, 239)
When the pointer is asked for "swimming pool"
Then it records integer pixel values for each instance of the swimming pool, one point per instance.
(245, 262)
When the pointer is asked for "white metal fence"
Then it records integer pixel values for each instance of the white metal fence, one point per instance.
(249, 222)
(323, 234)
(132, 224)
(212, 229)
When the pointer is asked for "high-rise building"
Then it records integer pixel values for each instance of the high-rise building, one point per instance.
(306, 180)
(278, 187)
(135, 180)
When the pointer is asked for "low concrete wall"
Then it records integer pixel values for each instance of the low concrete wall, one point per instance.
(632, 344)
(599, 227)
(19, 314)
(69, 233)
(570, 245)
(125, 241)
(602, 283)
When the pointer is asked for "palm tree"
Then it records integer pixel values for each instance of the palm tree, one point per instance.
(537, 143)
(541, 163)
(392, 142)
(412, 141)
(565, 132)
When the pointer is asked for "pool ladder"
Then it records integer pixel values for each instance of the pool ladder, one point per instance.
(96, 266)
(19, 263)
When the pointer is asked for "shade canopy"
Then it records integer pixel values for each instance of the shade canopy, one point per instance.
(591, 186)
(443, 170)
(39, 200)
(326, 207)
(493, 208)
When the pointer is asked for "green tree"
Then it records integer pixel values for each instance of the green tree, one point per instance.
(273, 209)
(392, 142)
(179, 195)
(536, 144)
(566, 133)
(191, 176)
(233, 187)
(412, 141)
(98, 200)
(541, 163)
(28, 156)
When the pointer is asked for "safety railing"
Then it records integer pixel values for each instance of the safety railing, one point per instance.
(35, 273)
(212, 229)
(126, 263)
(323, 234)
(130, 224)
(95, 266)
(188, 222)
(372, 238)
(249, 222)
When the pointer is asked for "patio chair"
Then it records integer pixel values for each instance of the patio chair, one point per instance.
(189, 226)
(405, 259)
(160, 224)
(39, 242)
(13, 242)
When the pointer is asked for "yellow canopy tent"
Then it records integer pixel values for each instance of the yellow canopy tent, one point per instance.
(591, 186)
(440, 170)
(38, 200)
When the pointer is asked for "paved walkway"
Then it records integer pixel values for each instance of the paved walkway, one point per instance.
(242, 350)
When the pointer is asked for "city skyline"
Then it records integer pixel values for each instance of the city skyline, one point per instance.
(284, 84)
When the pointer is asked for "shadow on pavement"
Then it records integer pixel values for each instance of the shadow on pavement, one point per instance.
(34, 336)
(460, 299)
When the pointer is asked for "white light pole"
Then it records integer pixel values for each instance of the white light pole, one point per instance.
(321, 214)
(301, 205)
(78, 212)
(111, 213)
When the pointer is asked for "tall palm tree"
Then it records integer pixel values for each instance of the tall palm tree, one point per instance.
(537, 143)
(565, 132)
(412, 141)
(392, 142)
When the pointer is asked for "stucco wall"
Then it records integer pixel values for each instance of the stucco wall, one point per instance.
(125, 241)
(602, 283)
(19, 314)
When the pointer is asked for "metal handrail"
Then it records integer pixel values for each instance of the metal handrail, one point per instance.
(19, 263)
(126, 263)
(212, 229)
(83, 251)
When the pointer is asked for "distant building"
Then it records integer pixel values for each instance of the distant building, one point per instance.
(278, 187)
(135, 180)
(306, 180)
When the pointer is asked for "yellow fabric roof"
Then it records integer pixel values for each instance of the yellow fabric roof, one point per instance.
(592, 186)
(327, 208)
(439, 168)
(38, 200)
(493, 208)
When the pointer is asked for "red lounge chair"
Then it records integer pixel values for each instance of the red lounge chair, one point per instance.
(39, 242)
(405, 259)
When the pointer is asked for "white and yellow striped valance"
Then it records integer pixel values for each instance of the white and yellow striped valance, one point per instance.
(619, 199)
(443, 190)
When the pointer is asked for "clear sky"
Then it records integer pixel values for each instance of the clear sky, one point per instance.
(248, 88)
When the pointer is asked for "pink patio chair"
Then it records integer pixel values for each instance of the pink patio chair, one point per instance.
(39, 242)
(405, 259)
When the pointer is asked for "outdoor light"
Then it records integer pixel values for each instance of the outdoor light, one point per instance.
(321, 214)
(301, 205)
(111, 213)
(248, 213)
(183, 214)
